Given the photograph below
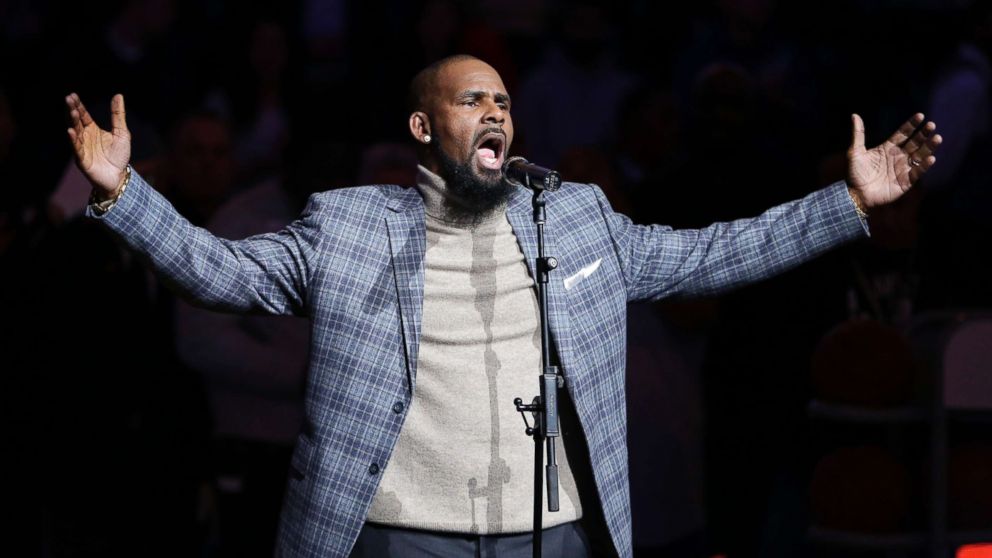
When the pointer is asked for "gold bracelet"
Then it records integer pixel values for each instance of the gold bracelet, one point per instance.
(101, 207)
(862, 214)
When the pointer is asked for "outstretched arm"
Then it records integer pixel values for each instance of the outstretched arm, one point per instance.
(266, 273)
(658, 261)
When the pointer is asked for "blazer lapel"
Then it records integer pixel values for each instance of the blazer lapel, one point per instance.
(407, 245)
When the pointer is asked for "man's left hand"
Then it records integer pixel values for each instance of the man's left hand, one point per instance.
(882, 174)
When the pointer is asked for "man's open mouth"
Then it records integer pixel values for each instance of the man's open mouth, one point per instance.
(490, 150)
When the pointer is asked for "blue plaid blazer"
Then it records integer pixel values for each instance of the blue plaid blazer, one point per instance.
(354, 264)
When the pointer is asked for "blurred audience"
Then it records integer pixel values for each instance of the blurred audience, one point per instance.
(255, 100)
(197, 173)
(388, 163)
(684, 114)
(572, 96)
(957, 212)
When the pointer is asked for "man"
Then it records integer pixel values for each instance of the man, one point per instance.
(424, 320)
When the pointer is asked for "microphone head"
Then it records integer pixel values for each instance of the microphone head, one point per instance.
(509, 176)
(519, 172)
(552, 181)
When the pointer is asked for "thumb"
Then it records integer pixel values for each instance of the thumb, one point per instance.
(117, 114)
(858, 134)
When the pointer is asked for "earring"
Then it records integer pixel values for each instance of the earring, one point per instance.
(427, 138)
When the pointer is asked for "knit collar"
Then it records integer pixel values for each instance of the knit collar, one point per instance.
(437, 197)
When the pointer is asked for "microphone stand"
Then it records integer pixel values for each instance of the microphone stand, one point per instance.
(544, 407)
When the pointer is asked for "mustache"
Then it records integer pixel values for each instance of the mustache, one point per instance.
(490, 130)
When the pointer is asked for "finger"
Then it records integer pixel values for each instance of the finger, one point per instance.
(934, 143)
(925, 150)
(917, 171)
(117, 114)
(906, 130)
(77, 144)
(84, 115)
(858, 133)
(919, 137)
(76, 122)
(70, 103)
(76, 139)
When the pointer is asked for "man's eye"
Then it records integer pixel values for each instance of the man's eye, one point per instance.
(503, 106)
(471, 103)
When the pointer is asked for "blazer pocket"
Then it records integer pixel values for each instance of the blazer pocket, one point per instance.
(573, 280)
(302, 460)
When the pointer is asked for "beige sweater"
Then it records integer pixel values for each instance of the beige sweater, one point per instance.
(463, 463)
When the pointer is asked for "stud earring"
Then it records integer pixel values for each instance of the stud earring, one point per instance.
(427, 138)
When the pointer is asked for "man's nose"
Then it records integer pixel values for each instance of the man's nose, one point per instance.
(494, 114)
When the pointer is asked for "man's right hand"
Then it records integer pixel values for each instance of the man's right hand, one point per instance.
(101, 155)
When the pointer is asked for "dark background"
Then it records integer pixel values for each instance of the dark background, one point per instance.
(685, 113)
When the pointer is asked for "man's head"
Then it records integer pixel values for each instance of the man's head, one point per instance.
(461, 120)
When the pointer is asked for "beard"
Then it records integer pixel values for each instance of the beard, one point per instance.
(475, 193)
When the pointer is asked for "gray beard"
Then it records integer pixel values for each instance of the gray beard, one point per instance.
(473, 197)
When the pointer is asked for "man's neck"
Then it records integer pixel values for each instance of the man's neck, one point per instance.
(441, 203)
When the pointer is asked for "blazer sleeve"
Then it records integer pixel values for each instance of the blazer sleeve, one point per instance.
(266, 273)
(657, 261)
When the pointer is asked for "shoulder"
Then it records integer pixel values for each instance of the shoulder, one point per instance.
(579, 197)
(376, 194)
(359, 201)
(580, 209)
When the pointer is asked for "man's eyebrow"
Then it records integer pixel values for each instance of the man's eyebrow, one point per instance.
(475, 95)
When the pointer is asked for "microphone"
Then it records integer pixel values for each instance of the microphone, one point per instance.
(521, 172)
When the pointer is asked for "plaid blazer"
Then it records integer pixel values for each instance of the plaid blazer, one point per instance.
(354, 264)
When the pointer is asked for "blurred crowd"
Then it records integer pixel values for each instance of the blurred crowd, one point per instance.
(139, 425)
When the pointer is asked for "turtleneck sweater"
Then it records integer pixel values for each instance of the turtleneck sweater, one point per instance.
(463, 463)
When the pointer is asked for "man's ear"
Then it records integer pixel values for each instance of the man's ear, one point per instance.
(420, 127)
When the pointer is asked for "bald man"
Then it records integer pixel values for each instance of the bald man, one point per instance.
(424, 320)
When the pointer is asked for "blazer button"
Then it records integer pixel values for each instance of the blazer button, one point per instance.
(374, 469)
(398, 407)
